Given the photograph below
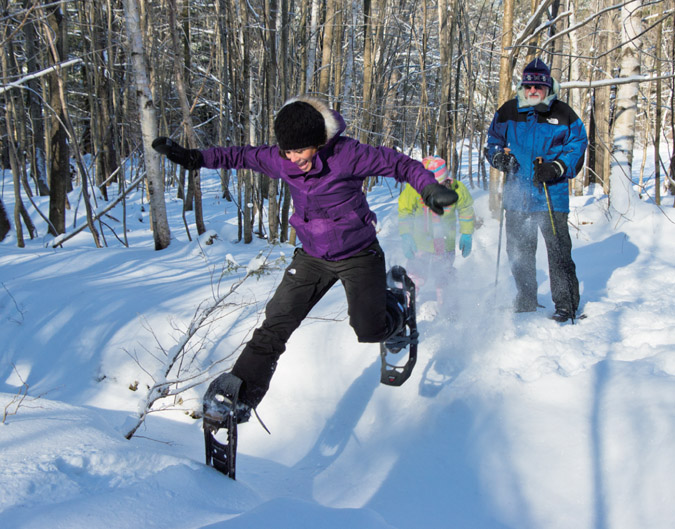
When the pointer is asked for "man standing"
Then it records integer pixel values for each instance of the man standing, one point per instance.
(539, 142)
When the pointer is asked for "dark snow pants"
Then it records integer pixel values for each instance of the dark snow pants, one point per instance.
(305, 282)
(521, 248)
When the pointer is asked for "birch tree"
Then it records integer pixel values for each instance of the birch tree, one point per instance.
(622, 197)
(658, 112)
(148, 119)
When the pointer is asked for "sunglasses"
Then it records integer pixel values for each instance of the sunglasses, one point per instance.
(535, 86)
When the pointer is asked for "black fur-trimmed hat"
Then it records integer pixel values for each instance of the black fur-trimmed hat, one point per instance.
(298, 125)
(304, 121)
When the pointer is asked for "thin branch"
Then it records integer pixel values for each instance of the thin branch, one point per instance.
(615, 81)
(17, 400)
(46, 71)
(162, 387)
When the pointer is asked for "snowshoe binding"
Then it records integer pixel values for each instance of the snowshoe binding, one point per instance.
(222, 409)
(400, 290)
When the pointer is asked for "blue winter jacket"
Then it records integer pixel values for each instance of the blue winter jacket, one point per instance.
(550, 130)
(332, 217)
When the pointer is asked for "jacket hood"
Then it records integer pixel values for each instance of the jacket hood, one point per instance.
(552, 94)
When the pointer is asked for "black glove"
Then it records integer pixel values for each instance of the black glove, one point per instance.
(505, 162)
(188, 158)
(548, 171)
(437, 197)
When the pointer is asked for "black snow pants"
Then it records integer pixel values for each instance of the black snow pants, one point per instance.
(305, 282)
(521, 248)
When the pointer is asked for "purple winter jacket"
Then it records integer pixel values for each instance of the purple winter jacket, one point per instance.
(332, 218)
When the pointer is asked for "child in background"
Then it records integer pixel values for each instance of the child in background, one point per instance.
(429, 239)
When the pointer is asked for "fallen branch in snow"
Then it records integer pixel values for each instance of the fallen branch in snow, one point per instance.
(58, 241)
(17, 400)
(16, 305)
(176, 375)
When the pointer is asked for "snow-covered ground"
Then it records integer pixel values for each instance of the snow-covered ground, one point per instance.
(508, 421)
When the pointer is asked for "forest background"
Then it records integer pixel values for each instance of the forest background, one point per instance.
(98, 81)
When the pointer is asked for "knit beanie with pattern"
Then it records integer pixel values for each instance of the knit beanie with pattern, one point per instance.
(436, 165)
(537, 73)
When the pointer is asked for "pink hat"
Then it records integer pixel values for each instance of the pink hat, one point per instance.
(436, 165)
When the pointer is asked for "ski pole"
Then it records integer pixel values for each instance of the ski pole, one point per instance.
(548, 199)
(550, 215)
(501, 223)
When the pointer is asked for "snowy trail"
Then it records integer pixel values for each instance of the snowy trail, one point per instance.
(508, 421)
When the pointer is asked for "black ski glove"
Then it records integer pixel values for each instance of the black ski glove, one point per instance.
(505, 162)
(437, 197)
(189, 158)
(548, 171)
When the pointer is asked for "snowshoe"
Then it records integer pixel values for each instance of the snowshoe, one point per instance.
(402, 288)
(564, 316)
(222, 409)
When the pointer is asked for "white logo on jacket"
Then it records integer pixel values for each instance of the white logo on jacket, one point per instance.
(553, 121)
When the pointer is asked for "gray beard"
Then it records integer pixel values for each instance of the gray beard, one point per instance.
(532, 101)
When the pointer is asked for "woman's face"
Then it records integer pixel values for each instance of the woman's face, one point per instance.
(301, 157)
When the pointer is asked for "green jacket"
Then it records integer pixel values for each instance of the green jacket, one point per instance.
(425, 226)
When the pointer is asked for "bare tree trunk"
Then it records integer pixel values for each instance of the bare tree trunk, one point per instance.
(5, 226)
(600, 147)
(70, 131)
(348, 88)
(658, 117)
(576, 95)
(245, 176)
(222, 52)
(193, 199)
(555, 50)
(445, 76)
(148, 118)
(13, 140)
(282, 63)
(424, 123)
(622, 195)
(367, 71)
(312, 46)
(37, 154)
(337, 50)
(270, 54)
(671, 179)
(13, 161)
(327, 49)
(98, 81)
(505, 77)
(59, 172)
(282, 57)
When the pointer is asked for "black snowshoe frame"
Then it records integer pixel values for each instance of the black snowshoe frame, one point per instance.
(403, 287)
(220, 403)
